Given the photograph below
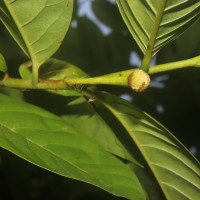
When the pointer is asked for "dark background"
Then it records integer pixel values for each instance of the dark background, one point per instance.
(173, 98)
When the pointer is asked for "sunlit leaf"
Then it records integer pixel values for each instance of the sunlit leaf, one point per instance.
(142, 20)
(11, 26)
(37, 26)
(52, 143)
(176, 170)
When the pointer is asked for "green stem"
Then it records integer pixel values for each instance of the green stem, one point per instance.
(35, 75)
(117, 78)
(27, 84)
(192, 62)
(148, 54)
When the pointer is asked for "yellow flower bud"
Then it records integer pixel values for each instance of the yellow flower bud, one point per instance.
(139, 80)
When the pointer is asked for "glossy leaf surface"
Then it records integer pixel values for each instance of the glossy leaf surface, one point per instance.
(176, 170)
(141, 16)
(51, 143)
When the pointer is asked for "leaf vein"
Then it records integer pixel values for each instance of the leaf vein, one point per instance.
(176, 189)
(176, 5)
(174, 172)
(33, 18)
(46, 30)
(157, 136)
(171, 154)
(53, 4)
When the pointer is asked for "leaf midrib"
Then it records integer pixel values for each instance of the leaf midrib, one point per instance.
(143, 151)
(149, 51)
(17, 36)
(17, 25)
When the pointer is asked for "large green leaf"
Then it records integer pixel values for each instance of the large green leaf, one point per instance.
(175, 169)
(8, 21)
(52, 143)
(38, 26)
(81, 114)
(153, 23)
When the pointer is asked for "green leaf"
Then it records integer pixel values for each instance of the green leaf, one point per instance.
(154, 24)
(3, 66)
(9, 23)
(54, 69)
(25, 71)
(83, 117)
(52, 143)
(175, 169)
(38, 26)
(80, 112)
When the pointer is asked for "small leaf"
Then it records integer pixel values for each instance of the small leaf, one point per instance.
(38, 26)
(25, 71)
(3, 66)
(53, 144)
(153, 25)
(54, 69)
(176, 170)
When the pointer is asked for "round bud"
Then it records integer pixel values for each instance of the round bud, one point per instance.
(139, 80)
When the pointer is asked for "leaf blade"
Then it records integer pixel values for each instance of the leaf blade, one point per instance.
(97, 128)
(9, 23)
(140, 17)
(51, 143)
(41, 31)
(175, 169)
(80, 112)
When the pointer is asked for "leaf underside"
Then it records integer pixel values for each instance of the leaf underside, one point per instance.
(176, 170)
(52, 143)
(140, 16)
